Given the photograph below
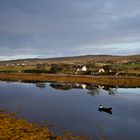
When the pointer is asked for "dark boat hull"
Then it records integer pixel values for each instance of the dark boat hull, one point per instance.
(107, 110)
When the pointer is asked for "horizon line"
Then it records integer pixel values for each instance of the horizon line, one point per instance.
(39, 58)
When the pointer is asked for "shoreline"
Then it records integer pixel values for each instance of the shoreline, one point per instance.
(16, 128)
(99, 80)
(13, 127)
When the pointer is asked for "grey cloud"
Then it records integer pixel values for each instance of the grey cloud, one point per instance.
(40, 28)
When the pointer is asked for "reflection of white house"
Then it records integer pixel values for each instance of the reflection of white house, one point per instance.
(101, 70)
(83, 86)
(101, 87)
(77, 84)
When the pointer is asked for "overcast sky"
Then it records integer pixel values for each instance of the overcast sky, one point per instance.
(55, 28)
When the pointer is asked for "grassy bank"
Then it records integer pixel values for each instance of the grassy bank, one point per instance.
(13, 128)
(103, 80)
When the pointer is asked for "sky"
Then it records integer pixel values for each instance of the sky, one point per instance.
(58, 28)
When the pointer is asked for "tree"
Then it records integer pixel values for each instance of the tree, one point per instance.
(56, 69)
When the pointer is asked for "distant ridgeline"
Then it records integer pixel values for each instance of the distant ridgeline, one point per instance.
(78, 59)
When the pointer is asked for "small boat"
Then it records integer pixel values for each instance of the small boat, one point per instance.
(105, 109)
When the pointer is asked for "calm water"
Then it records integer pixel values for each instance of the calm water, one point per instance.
(75, 107)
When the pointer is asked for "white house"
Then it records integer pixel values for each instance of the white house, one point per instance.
(101, 70)
(84, 68)
(81, 68)
(23, 64)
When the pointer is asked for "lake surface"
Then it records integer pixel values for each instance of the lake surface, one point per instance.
(74, 107)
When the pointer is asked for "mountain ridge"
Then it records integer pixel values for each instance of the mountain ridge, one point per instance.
(77, 59)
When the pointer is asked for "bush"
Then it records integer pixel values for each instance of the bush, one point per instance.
(34, 71)
(56, 69)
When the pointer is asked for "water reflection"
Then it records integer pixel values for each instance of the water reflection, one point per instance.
(92, 89)
(61, 86)
(75, 107)
(40, 85)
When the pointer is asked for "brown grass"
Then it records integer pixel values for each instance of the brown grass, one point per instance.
(13, 128)
(103, 80)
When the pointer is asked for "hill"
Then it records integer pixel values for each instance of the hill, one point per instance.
(78, 59)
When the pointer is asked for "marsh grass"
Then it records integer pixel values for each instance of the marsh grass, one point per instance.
(102, 80)
(13, 128)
